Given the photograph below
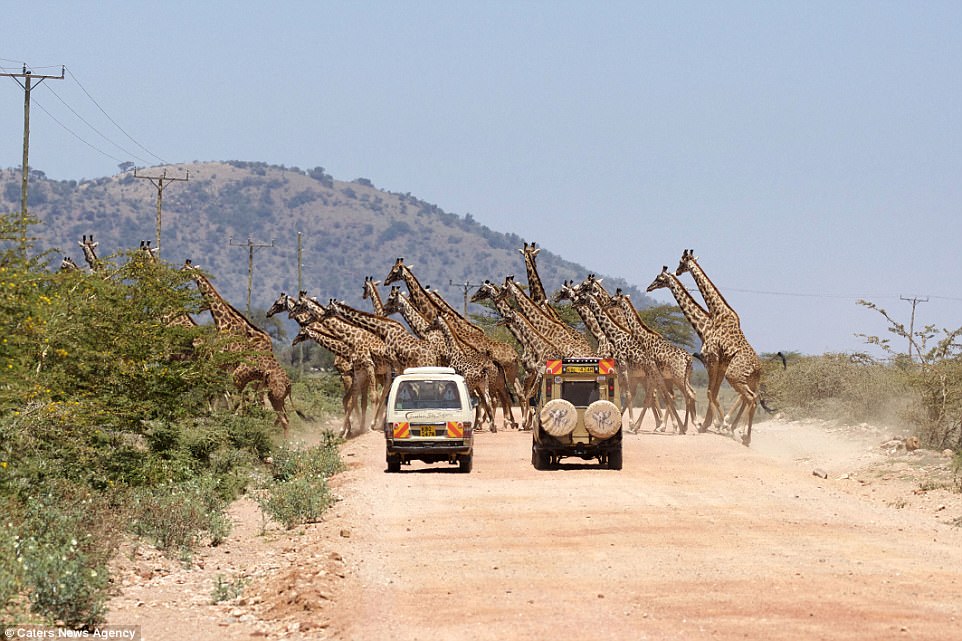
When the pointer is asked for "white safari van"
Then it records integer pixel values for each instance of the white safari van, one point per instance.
(429, 418)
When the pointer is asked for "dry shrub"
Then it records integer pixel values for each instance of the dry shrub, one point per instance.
(839, 386)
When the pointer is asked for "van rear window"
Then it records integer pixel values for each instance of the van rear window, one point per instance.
(421, 395)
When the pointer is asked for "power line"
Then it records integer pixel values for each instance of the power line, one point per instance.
(82, 88)
(76, 135)
(97, 131)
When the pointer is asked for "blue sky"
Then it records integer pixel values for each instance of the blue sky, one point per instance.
(810, 153)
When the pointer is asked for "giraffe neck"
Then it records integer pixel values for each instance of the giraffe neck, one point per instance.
(378, 325)
(90, 255)
(419, 325)
(534, 280)
(532, 312)
(695, 313)
(419, 296)
(632, 318)
(370, 289)
(717, 305)
(226, 318)
(328, 341)
(619, 337)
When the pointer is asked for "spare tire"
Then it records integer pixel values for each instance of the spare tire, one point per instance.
(603, 419)
(558, 417)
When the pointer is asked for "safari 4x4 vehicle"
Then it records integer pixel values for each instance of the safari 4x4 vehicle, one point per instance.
(578, 413)
(429, 418)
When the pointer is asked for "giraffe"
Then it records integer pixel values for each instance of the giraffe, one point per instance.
(535, 286)
(562, 334)
(362, 342)
(370, 291)
(674, 362)
(474, 366)
(68, 265)
(738, 361)
(397, 302)
(535, 349)
(504, 356)
(408, 350)
(631, 352)
(631, 375)
(258, 363)
(700, 320)
(566, 292)
(355, 373)
(89, 248)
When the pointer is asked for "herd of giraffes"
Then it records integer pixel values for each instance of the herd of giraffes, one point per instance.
(369, 346)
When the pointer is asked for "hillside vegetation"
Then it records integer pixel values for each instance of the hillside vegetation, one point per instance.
(349, 229)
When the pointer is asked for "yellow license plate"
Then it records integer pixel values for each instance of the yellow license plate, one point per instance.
(427, 430)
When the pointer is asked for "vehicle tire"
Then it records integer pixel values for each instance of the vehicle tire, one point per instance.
(614, 459)
(393, 464)
(558, 417)
(465, 462)
(540, 459)
(602, 419)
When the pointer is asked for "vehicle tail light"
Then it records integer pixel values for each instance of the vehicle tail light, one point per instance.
(547, 387)
(611, 388)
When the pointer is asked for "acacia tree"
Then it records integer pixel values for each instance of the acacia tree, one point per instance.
(936, 378)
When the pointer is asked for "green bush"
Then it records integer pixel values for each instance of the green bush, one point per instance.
(297, 501)
(298, 491)
(177, 517)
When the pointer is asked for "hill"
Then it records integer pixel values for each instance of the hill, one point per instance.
(349, 230)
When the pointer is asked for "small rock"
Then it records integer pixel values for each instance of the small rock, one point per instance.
(947, 453)
(346, 534)
(820, 473)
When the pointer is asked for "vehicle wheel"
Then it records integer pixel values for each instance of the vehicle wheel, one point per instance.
(465, 463)
(540, 459)
(614, 459)
(393, 464)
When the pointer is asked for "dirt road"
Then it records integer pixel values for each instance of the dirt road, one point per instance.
(697, 537)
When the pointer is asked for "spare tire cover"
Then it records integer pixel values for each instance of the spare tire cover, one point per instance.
(558, 417)
(603, 419)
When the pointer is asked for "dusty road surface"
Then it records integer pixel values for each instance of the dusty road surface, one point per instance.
(697, 537)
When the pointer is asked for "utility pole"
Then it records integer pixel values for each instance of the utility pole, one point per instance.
(915, 301)
(251, 246)
(28, 78)
(300, 288)
(160, 195)
(467, 287)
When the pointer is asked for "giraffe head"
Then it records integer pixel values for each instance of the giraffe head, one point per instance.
(566, 292)
(397, 272)
(392, 304)
(68, 265)
(487, 291)
(279, 305)
(150, 253)
(370, 287)
(687, 262)
(662, 280)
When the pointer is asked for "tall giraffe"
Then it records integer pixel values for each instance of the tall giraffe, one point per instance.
(258, 363)
(560, 333)
(408, 349)
(535, 348)
(566, 292)
(535, 285)
(370, 291)
(504, 356)
(362, 342)
(675, 363)
(397, 303)
(738, 361)
(476, 368)
(632, 352)
(89, 248)
(356, 374)
(700, 320)
(631, 374)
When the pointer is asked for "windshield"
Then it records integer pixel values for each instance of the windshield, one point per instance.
(580, 393)
(419, 395)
